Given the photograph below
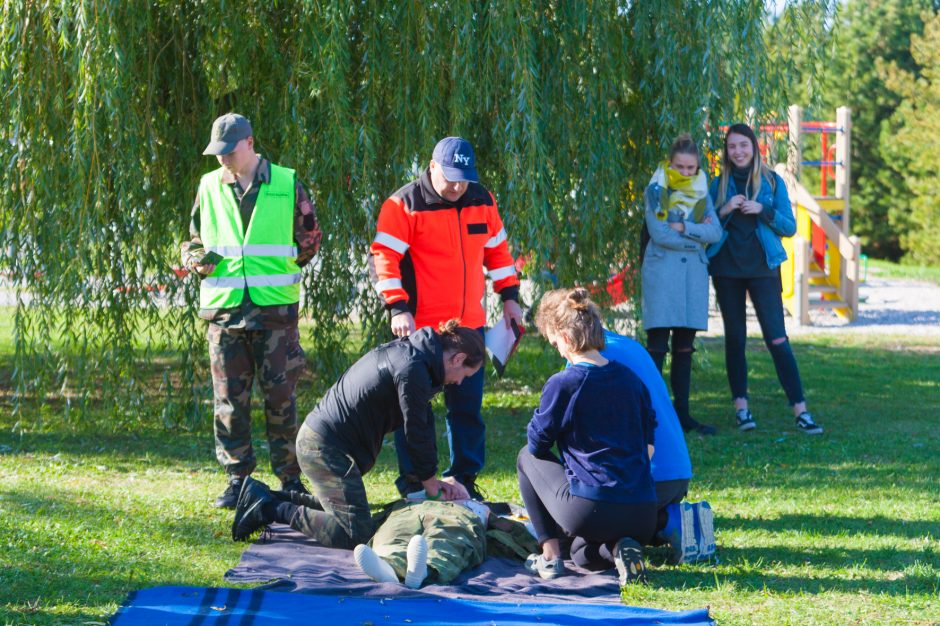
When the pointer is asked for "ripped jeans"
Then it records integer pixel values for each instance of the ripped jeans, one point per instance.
(768, 305)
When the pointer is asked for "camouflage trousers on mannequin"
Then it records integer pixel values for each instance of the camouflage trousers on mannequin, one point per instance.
(237, 357)
(456, 538)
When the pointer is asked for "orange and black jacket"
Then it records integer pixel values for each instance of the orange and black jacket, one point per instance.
(429, 255)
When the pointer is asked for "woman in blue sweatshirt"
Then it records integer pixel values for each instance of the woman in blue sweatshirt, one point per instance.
(599, 415)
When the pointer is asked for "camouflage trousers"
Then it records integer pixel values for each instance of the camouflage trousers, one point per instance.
(338, 515)
(237, 357)
(456, 538)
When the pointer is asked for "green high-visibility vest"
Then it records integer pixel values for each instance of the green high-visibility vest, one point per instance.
(261, 259)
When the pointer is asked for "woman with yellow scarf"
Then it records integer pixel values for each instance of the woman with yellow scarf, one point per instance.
(681, 221)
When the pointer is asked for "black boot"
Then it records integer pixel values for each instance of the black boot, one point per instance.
(470, 484)
(658, 358)
(250, 512)
(229, 498)
(299, 498)
(680, 379)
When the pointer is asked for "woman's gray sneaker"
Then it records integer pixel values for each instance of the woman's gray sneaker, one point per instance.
(806, 424)
(745, 420)
(538, 564)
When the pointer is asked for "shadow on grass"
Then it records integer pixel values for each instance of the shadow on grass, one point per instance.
(30, 608)
(835, 525)
(754, 569)
(174, 450)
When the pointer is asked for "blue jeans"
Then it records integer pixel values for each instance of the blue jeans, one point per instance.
(466, 432)
(768, 305)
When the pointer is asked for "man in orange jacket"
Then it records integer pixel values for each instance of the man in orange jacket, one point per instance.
(436, 238)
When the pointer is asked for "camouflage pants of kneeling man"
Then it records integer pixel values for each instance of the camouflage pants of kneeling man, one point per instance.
(338, 515)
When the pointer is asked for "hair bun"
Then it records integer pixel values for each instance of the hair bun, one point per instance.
(579, 299)
(449, 327)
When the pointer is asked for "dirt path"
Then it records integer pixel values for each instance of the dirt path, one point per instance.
(888, 307)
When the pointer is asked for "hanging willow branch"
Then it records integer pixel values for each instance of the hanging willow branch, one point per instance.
(106, 106)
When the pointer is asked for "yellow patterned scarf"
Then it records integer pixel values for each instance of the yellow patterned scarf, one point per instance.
(685, 194)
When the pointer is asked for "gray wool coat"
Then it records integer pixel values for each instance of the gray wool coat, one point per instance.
(675, 269)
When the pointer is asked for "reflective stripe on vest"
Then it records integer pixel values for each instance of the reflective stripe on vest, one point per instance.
(260, 260)
(254, 250)
(236, 282)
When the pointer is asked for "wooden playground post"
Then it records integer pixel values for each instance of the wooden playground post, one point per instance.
(794, 141)
(843, 160)
(801, 253)
(852, 272)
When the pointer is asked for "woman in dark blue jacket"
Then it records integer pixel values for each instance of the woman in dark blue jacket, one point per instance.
(754, 210)
(599, 415)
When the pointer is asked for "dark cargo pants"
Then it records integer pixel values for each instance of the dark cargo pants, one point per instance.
(237, 356)
(341, 517)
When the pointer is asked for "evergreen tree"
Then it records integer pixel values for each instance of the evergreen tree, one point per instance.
(917, 142)
(870, 35)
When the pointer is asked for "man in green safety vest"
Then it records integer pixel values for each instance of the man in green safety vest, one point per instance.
(253, 227)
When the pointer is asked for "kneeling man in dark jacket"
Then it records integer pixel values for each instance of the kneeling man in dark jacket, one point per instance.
(389, 387)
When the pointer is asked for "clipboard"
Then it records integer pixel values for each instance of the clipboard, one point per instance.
(501, 343)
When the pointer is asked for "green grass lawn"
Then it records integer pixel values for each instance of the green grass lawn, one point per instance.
(887, 269)
(837, 529)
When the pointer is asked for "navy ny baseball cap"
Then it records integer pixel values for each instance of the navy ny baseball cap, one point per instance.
(455, 156)
(227, 131)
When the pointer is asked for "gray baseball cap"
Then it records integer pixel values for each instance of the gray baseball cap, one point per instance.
(227, 131)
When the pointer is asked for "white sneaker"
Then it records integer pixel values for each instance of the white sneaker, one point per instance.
(680, 532)
(417, 569)
(704, 529)
(373, 565)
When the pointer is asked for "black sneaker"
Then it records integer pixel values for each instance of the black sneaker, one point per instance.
(628, 557)
(229, 498)
(745, 420)
(693, 425)
(249, 511)
(293, 484)
(470, 484)
(805, 423)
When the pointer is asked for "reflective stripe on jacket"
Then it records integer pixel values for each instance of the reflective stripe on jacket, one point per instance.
(429, 255)
(261, 259)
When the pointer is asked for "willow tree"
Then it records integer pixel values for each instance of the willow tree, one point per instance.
(106, 106)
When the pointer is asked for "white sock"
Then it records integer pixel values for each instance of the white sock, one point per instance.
(373, 565)
(417, 569)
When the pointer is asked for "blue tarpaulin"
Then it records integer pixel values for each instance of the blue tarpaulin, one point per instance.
(196, 606)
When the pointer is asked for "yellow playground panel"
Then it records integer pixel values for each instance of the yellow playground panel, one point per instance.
(822, 267)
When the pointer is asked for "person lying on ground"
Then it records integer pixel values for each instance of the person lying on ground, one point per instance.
(434, 541)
